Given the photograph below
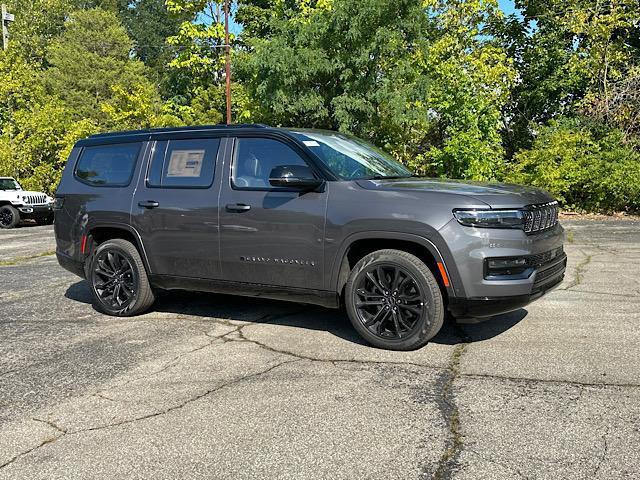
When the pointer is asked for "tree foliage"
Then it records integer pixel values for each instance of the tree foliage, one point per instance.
(586, 168)
(411, 76)
(450, 87)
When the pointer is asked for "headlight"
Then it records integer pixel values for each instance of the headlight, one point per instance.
(490, 218)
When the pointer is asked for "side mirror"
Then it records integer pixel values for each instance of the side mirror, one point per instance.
(294, 176)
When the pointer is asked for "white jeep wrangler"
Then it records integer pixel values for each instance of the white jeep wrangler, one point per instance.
(17, 204)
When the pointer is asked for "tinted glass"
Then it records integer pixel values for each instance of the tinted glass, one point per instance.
(256, 157)
(108, 165)
(350, 157)
(184, 163)
(8, 184)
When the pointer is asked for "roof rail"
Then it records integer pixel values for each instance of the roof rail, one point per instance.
(178, 129)
(242, 125)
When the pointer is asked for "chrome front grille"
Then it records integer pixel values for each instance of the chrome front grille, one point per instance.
(35, 199)
(538, 218)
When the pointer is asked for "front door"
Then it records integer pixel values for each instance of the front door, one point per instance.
(270, 236)
(175, 208)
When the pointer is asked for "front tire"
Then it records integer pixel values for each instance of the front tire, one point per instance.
(394, 301)
(119, 282)
(9, 217)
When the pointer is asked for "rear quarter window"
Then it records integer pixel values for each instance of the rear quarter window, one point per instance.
(183, 163)
(107, 165)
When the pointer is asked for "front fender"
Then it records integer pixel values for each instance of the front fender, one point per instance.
(436, 246)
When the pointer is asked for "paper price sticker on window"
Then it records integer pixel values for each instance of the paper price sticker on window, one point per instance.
(311, 143)
(185, 163)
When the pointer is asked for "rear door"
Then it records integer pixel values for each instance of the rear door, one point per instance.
(270, 236)
(175, 208)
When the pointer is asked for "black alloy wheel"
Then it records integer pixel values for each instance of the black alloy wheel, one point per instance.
(389, 301)
(118, 278)
(114, 280)
(394, 300)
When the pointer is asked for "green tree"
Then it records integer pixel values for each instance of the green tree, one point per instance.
(149, 24)
(37, 23)
(91, 84)
(471, 79)
(414, 77)
(567, 54)
(199, 43)
(90, 61)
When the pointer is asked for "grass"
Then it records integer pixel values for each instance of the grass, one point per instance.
(18, 260)
(570, 238)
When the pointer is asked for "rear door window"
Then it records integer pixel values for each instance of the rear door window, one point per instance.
(183, 163)
(108, 165)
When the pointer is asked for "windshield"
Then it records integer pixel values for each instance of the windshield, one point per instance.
(350, 158)
(9, 184)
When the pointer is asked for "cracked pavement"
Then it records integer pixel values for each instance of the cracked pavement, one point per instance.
(213, 386)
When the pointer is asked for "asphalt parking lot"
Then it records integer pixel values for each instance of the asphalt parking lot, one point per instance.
(211, 386)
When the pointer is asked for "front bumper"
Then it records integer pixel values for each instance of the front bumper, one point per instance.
(31, 211)
(470, 247)
(483, 307)
(481, 296)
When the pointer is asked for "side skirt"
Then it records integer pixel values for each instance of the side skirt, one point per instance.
(323, 298)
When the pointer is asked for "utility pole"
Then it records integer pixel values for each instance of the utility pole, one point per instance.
(7, 18)
(227, 49)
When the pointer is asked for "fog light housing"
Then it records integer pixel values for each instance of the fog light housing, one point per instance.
(501, 268)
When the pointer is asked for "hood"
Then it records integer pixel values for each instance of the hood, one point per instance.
(496, 195)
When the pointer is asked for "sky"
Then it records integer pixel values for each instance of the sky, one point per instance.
(507, 6)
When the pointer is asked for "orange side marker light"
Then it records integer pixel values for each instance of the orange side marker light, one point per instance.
(443, 272)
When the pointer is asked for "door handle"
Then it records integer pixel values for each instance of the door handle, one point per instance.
(148, 204)
(238, 207)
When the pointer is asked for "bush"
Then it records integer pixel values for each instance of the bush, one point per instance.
(588, 168)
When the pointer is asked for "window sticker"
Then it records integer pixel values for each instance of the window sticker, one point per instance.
(185, 163)
(311, 143)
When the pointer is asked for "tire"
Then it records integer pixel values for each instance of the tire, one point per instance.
(48, 220)
(9, 217)
(404, 320)
(119, 282)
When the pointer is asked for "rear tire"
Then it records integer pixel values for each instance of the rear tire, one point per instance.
(119, 282)
(394, 301)
(9, 217)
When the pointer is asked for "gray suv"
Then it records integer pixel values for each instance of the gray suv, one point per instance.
(303, 215)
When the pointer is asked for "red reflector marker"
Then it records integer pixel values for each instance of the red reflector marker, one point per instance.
(83, 243)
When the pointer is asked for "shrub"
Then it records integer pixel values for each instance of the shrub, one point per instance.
(586, 167)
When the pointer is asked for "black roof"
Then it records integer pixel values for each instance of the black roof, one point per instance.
(164, 133)
(194, 128)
